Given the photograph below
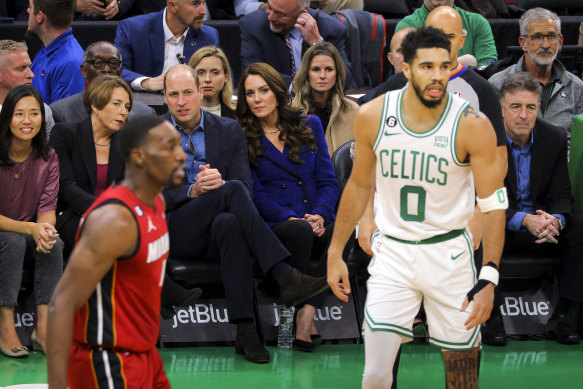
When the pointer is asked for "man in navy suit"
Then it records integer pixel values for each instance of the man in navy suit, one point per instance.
(213, 216)
(264, 34)
(150, 44)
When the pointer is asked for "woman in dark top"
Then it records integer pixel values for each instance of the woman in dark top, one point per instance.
(214, 74)
(88, 153)
(29, 177)
(294, 186)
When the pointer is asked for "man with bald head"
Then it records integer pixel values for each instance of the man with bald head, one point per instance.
(395, 57)
(99, 58)
(479, 48)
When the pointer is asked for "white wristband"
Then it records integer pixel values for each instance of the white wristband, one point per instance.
(490, 274)
(497, 200)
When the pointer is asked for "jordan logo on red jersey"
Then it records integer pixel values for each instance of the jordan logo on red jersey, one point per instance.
(151, 226)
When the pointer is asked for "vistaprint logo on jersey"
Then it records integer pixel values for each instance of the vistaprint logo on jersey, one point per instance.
(158, 248)
(441, 141)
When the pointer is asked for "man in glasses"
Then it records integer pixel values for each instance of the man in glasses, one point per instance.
(541, 40)
(99, 58)
(280, 33)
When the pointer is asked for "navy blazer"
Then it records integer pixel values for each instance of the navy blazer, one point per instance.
(260, 44)
(283, 188)
(550, 187)
(75, 148)
(226, 151)
(140, 41)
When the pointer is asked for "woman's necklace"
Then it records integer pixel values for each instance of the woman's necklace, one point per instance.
(271, 132)
(102, 145)
(17, 174)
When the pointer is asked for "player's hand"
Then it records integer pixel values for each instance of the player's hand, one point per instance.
(366, 229)
(317, 223)
(206, 180)
(308, 27)
(483, 303)
(153, 84)
(338, 277)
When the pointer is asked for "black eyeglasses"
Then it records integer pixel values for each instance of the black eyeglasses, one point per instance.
(113, 64)
(538, 38)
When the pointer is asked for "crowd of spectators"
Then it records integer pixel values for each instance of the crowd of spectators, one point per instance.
(260, 190)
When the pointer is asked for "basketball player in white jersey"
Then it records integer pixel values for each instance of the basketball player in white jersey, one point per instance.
(429, 152)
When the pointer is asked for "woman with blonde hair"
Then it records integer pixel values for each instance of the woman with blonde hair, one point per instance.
(319, 87)
(214, 74)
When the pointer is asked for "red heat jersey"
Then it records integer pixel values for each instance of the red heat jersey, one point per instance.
(124, 310)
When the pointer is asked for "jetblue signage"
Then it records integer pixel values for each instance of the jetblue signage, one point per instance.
(335, 320)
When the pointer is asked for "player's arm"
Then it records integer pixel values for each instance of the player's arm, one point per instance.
(355, 195)
(367, 224)
(477, 141)
(109, 232)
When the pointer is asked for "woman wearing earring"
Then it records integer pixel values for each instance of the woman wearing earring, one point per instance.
(214, 74)
(294, 186)
(319, 87)
(29, 177)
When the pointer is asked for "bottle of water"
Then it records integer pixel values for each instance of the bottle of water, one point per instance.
(285, 334)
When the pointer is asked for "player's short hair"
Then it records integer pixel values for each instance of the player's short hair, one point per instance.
(520, 81)
(135, 133)
(423, 38)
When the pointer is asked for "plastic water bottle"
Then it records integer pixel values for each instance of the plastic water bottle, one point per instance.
(285, 333)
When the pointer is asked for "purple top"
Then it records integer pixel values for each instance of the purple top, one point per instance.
(101, 182)
(35, 190)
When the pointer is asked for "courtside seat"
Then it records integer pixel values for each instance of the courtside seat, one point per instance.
(513, 266)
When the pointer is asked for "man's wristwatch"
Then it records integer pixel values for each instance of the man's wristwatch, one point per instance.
(561, 225)
(318, 41)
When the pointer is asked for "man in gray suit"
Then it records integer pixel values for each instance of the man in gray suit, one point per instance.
(99, 58)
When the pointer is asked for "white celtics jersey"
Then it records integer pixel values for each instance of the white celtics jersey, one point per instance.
(423, 189)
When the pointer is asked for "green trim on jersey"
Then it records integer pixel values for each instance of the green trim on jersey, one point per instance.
(374, 326)
(470, 344)
(383, 119)
(432, 130)
(454, 133)
(471, 250)
(434, 239)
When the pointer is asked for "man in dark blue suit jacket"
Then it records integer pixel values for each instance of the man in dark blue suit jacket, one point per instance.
(142, 39)
(213, 216)
(263, 31)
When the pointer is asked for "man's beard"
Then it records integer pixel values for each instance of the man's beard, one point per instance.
(543, 62)
(427, 103)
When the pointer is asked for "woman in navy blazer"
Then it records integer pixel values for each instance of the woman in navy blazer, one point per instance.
(294, 186)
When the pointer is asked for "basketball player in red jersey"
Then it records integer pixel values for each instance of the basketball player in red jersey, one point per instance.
(104, 314)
